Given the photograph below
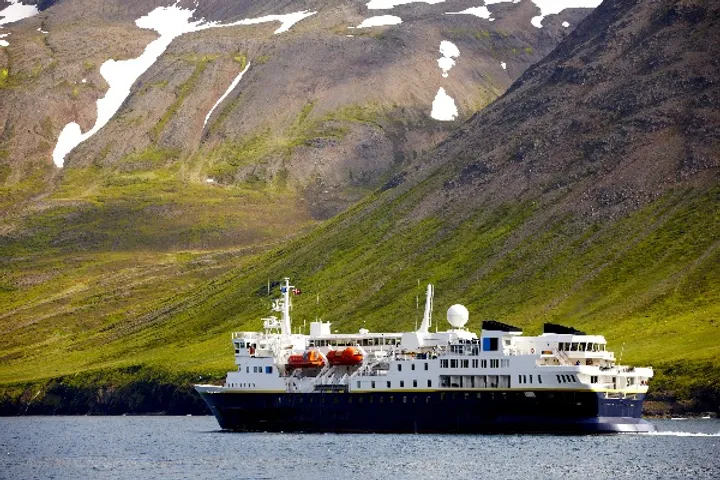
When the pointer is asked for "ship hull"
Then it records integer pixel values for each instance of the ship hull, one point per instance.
(427, 412)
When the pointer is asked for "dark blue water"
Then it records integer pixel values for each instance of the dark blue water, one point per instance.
(193, 447)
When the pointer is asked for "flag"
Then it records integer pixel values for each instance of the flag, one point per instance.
(296, 291)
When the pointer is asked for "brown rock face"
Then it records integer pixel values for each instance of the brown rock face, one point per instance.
(625, 109)
(362, 97)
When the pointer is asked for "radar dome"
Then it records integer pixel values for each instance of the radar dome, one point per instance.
(457, 316)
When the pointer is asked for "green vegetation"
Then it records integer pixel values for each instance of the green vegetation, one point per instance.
(227, 159)
(201, 64)
(241, 58)
(648, 281)
(4, 77)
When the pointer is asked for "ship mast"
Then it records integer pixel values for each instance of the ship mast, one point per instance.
(427, 316)
(285, 326)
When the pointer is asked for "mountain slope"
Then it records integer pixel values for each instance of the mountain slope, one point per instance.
(157, 200)
(588, 194)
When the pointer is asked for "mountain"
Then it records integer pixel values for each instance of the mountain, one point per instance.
(188, 177)
(587, 194)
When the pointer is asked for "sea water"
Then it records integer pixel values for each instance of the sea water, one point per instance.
(194, 447)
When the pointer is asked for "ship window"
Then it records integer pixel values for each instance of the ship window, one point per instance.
(465, 363)
(426, 365)
(427, 399)
(389, 384)
(561, 347)
(490, 344)
(475, 363)
(372, 384)
(358, 384)
(429, 383)
(247, 369)
(574, 347)
(453, 363)
(483, 363)
(530, 378)
(539, 378)
(237, 351)
(268, 369)
(412, 367)
(392, 398)
(382, 399)
(402, 384)
(524, 379)
(583, 346)
(399, 367)
(404, 399)
(494, 363)
(558, 378)
(443, 364)
(414, 383)
(519, 378)
(593, 379)
(567, 346)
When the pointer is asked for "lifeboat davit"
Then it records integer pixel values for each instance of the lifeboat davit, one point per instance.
(309, 359)
(349, 356)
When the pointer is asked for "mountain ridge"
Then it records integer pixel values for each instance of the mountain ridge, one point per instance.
(612, 229)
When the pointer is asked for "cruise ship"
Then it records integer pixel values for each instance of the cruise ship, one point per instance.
(451, 381)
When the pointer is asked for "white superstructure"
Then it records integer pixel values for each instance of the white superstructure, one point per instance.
(276, 360)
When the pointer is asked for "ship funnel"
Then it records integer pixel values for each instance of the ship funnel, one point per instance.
(427, 316)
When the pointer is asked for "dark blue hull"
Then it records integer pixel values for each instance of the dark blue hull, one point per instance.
(426, 412)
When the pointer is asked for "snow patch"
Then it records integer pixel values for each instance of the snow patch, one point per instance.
(210, 180)
(551, 7)
(503, 65)
(565, 24)
(443, 107)
(481, 12)
(390, 4)
(448, 50)
(41, 30)
(380, 20)
(227, 92)
(4, 43)
(84, 80)
(17, 11)
(170, 23)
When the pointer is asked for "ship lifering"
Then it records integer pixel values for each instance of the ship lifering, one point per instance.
(532, 350)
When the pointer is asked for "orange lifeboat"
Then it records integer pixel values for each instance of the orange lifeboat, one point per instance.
(309, 359)
(349, 356)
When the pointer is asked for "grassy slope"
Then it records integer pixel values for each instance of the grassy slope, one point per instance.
(649, 281)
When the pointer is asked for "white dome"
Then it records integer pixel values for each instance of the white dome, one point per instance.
(457, 316)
